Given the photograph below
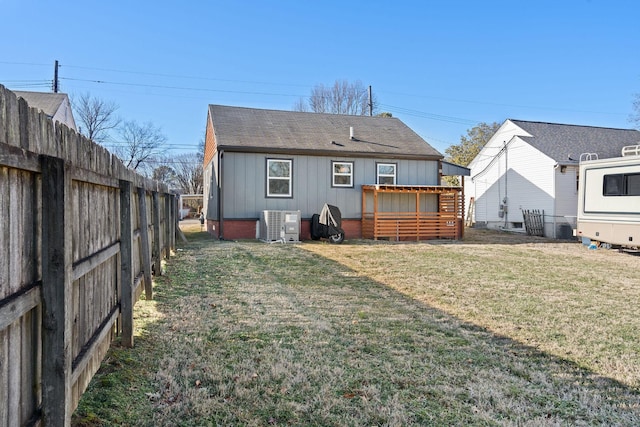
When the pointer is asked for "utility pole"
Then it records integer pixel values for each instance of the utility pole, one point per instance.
(55, 77)
(370, 102)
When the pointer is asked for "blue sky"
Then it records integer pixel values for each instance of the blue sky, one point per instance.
(439, 66)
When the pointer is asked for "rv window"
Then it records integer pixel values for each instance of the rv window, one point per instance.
(633, 185)
(612, 185)
(621, 185)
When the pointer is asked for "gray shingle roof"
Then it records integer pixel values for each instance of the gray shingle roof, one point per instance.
(46, 101)
(565, 143)
(250, 129)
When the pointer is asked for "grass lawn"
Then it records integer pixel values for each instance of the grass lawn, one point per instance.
(494, 330)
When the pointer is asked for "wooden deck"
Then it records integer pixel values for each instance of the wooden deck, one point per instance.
(446, 223)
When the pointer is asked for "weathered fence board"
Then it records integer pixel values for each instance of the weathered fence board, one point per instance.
(534, 222)
(56, 292)
(126, 269)
(144, 244)
(75, 248)
(18, 305)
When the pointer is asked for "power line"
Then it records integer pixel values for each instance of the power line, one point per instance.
(176, 87)
(431, 116)
(31, 85)
(408, 112)
(497, 104)
(24, 63)
(183, 77)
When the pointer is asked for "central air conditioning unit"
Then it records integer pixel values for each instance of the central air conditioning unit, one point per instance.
(280, 226)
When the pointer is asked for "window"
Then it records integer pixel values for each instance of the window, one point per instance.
(386, 174)
(279, 173)
(342, 173)
(633, 185)
(621, 185)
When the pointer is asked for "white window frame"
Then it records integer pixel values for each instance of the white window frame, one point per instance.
(289, 178)
(335, 174)
(385, 175)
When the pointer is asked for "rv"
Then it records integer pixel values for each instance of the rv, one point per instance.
(609, 199)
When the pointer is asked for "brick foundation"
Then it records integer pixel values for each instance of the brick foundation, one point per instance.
(246, 229)
(352, 228)
(213, 228)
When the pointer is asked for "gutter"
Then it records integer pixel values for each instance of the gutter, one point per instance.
(220, 196)
(334, 153)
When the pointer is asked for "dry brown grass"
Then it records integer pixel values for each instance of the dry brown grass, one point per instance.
(556, 296)
(495, 330)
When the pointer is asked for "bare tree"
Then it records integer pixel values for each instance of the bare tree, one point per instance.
(139, 144)
(97, 117)
(341, 98)
(188, 172)
(301, 105)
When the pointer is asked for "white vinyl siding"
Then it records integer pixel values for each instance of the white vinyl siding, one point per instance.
(566, 195)
(520, 177)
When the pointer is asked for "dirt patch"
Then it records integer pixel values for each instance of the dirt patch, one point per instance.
(487, 236)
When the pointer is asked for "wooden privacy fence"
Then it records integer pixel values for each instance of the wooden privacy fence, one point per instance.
(80, 236)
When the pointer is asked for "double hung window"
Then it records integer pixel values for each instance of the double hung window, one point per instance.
(386, 173)
(342, 174)
(279, 178)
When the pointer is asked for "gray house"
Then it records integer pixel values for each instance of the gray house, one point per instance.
(529, 166)
(259, 160)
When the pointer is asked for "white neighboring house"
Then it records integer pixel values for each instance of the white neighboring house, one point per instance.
(534, 166)
(55, 105)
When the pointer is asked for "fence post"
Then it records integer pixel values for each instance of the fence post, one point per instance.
(174, 221)
(126, 266)
(144, 242)
(56, 292)
(167, 225)
(157, 253)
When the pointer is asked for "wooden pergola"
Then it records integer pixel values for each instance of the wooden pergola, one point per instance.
(445, 223)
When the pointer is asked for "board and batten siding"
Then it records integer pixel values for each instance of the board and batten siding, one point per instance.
(244, 184)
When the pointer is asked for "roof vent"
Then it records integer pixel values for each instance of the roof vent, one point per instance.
(351, 133)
